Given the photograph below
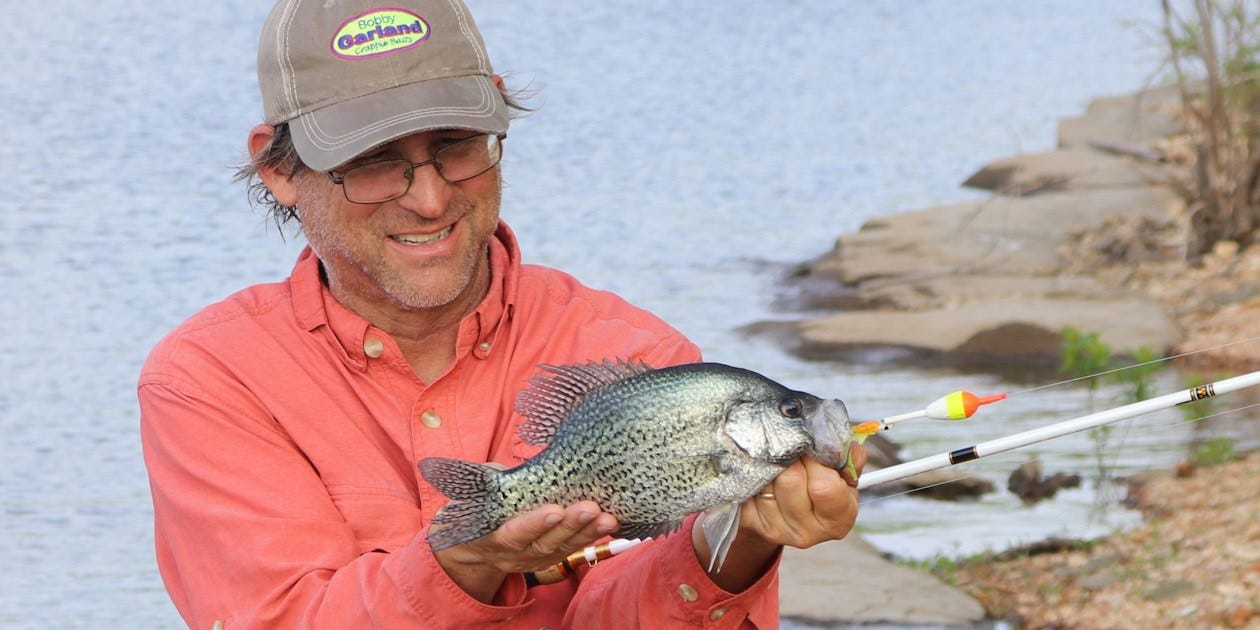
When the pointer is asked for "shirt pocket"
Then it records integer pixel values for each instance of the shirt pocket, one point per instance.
(380, 519)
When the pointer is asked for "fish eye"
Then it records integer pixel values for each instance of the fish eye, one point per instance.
(792, 408)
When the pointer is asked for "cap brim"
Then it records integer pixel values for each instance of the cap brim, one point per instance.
(331, 136)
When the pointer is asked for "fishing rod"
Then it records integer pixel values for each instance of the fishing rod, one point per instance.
(1058, 429)
(956, 406)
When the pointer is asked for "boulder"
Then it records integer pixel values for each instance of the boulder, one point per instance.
(850, 582)
(1027, 483)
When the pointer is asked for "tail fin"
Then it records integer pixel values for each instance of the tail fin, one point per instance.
(469, 486)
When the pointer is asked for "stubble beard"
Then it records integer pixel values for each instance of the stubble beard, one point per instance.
(330, 241)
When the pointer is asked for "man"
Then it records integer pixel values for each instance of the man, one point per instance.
(282, 426)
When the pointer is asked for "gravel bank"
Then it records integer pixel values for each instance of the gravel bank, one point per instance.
(1194, 563)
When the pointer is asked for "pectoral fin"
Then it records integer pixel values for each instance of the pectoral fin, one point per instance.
(720, 524)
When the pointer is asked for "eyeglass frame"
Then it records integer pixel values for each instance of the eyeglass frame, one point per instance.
(340, 180)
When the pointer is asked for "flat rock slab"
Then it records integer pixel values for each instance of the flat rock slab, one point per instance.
(1014, 235)
(1138, 120)
(993, 330)
(1157, 99)
(1067, 169)
(951, 290)
(849, 581)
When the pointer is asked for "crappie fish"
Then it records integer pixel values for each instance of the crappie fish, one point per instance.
(650, 446)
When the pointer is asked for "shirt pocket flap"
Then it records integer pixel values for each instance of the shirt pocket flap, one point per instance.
(380, 519)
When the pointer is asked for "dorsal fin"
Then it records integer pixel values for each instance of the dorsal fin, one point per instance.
(550, 399)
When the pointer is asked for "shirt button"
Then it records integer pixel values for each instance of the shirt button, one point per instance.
(431, 419)
(686, 592)
(373, 347)
(717, 613)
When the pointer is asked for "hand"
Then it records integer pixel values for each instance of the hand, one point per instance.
(812, 503)
(533, 540)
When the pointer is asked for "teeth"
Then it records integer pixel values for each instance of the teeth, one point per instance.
(420, 239)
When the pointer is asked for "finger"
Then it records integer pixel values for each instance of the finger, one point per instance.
(762, 515)
(832, 499)
(570, 532)
(792, 510)
(520, 531)
(603, 525)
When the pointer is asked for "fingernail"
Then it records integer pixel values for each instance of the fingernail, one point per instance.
(585, 517)
(553, 519)
(607, 529)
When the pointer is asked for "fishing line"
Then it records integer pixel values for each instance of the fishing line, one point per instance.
(1124, 437)
(1102, 499)
(962, 476)
(1158, 428)
(1135, 366)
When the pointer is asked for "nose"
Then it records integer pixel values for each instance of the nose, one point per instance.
(429, 194)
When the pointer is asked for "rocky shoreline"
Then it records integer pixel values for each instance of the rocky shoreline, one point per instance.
(1091, 236)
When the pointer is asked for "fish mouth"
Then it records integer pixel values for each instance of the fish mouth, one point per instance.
(829, 426)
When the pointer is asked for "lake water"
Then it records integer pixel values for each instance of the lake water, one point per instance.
(683, 154)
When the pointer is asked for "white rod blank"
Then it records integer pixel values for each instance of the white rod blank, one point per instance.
(1058, 429)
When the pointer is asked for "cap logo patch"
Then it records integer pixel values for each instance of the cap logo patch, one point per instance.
(380, 31)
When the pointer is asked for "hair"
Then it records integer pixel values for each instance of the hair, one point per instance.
(281, 156)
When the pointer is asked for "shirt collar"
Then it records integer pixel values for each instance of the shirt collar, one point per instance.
(314, 305)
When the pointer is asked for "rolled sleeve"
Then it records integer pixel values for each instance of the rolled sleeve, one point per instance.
(246, 532)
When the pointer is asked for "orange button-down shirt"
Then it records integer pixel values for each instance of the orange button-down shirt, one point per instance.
(281, 433)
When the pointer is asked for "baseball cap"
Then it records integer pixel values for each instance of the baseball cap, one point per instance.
(351, 75)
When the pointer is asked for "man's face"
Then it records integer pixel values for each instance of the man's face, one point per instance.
(426, 249)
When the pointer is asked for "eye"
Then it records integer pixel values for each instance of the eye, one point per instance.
(792, 408)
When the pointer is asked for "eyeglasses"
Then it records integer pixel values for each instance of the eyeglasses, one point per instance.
(386, 180)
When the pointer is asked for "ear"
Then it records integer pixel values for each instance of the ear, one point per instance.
(498, 82)
(281, 184)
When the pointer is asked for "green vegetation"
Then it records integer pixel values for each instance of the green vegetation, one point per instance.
(945, 567)
(1138, 377)
(1214, 452)
(1086, 356)
(1213, 49)
(948, 568)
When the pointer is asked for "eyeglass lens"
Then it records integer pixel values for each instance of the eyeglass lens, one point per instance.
(381, 181)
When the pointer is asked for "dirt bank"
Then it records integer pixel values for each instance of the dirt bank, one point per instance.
(1194, 563)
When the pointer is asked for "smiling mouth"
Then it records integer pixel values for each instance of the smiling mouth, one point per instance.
(421, 239)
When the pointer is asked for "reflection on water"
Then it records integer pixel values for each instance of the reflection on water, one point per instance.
(681, 154)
